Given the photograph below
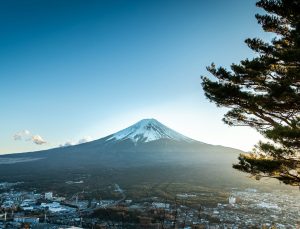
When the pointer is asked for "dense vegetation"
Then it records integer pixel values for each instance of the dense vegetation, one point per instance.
(264, 93)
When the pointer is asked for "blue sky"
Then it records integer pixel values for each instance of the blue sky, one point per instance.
(76, 69)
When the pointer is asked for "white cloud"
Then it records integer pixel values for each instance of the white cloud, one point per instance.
(17, 137)
(80, 141)
(68, 143)
(85, 139)
(25, 135)
(22, 135)
(37, 139)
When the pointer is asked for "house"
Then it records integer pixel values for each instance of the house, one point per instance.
(31, 220)
(48, 195)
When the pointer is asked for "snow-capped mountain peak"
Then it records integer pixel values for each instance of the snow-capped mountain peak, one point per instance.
(148, 130)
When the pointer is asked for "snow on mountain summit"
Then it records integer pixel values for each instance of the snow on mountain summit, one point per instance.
(148, 130)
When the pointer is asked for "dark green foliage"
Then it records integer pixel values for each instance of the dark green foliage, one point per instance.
(264, 93)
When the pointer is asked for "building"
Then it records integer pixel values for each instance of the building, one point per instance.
(49, 195)
(31, 220)
(158, 205)
(232, 200)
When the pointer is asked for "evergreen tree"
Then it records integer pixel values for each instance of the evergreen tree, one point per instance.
(264, 93)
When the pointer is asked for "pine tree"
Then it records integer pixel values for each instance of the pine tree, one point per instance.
(264, 93)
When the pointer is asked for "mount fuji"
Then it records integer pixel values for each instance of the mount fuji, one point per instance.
(148, 130)
(146, 144)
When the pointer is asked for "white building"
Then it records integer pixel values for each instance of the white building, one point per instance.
(30, 208)
(8, 204)
(33, 220)
(232, 200)
(48, 195)
(160, 205)
(27, 202)
(53, 207)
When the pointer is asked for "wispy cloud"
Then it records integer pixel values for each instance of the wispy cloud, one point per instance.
(80, 141)
(25, 135)
(85, 139)
(68, 143)
(22, 135)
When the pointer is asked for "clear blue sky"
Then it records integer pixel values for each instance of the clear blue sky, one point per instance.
(71, 69)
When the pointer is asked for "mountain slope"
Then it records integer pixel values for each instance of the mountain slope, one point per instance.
(146, 143)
